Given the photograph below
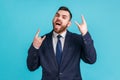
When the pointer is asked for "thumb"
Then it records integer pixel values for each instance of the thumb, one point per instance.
(43, 38)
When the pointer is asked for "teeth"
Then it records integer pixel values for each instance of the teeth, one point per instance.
(57, 24)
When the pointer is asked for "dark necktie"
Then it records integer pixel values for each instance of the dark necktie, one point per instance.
(58, 50)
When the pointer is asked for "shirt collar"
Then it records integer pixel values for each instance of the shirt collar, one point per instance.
(63, 34)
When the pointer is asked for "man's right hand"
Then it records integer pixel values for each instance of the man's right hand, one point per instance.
(38, 40)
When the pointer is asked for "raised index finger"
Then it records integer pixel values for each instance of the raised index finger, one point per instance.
(37, 33)
(76, 23)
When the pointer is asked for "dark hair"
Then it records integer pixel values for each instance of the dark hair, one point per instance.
(66, 9)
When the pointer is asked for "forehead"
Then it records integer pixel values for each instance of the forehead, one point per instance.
(63, 12)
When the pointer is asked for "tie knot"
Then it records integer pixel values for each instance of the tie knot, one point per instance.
(59, 36)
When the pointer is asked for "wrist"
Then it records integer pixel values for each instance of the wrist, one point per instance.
(35, 46)
(84, 33)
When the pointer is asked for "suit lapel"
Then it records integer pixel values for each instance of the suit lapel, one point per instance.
(50, 49)
(66, 46)
(51, 54)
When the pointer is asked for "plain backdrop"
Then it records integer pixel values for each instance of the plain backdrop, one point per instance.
(20, 19)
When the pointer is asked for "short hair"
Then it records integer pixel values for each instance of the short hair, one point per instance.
(65, 9)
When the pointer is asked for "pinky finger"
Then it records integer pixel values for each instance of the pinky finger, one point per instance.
(76, 23)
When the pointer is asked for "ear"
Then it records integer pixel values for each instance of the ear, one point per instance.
(69, 23)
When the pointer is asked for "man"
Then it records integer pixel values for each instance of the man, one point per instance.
(59, 52)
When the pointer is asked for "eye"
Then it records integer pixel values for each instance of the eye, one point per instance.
(57, 15)
(64, 16)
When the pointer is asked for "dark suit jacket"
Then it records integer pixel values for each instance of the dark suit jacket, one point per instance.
(76, 47)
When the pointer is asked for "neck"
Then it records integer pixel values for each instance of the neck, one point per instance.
(60, 32)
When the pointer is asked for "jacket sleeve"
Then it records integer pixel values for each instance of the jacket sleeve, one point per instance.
(88, 50)
(33, 59)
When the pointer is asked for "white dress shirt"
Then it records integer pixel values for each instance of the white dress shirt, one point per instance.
(54, 39)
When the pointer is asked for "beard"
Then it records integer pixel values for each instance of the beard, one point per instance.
(59, 28)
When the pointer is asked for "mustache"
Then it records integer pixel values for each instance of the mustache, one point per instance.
(58, 20)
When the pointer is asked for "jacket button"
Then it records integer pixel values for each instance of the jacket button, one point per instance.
(60, 73)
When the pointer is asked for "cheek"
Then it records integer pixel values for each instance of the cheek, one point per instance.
(54, 19)
(65, 22)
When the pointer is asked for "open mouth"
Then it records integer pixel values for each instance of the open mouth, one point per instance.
(58, 23)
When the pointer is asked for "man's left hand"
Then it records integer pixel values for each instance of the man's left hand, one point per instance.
(83, 26)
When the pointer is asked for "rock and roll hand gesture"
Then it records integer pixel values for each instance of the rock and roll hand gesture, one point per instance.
(38, 40)
(83, 26)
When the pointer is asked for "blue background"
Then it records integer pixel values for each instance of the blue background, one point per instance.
(20, 19)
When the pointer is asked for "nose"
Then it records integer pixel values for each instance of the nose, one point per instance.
(59, 18)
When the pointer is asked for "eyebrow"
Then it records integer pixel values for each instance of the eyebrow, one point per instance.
(62, 15)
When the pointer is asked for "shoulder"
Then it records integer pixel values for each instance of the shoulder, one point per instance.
(48, 35)
(74, 38)
(74, 35)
